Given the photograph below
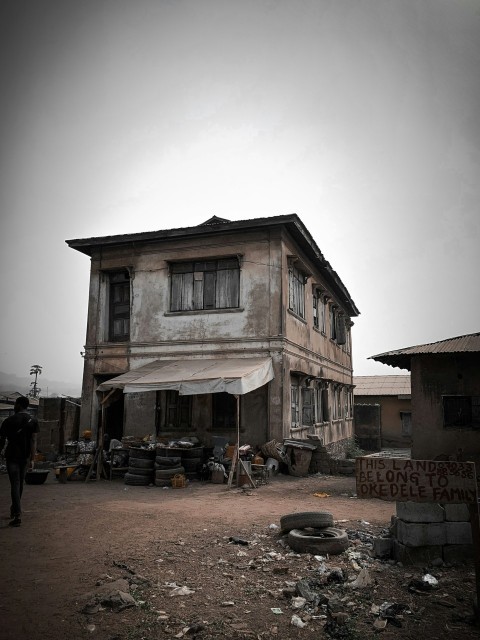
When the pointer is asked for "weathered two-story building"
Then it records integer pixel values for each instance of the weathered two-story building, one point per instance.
(183, 322)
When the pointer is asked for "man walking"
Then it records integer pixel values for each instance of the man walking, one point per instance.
(20, 432)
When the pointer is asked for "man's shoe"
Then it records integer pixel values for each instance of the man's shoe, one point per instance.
(16, 522)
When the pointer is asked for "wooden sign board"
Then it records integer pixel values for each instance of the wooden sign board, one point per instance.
(401, 479)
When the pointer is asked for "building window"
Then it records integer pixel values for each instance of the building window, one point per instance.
(119, 295)
(461, 411)
(177, 414)
(206, 284)
(324, 413)
(333, 322)
(406, 418)
(224, 411)
(295, 403)
(296, 291)
(308, 406)
(319, 310)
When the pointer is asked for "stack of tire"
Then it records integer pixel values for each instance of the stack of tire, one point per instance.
(166, 467)
(192, 460)
(140, 466)
(313, 532)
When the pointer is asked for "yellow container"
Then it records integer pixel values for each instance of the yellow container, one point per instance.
(230, 451)
(70, 470)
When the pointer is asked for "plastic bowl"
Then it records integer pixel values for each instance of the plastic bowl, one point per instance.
(37, 476)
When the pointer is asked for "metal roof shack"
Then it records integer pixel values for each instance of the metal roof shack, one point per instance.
(401, 358)
(382, 385)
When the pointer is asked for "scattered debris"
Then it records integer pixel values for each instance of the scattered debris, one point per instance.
(363, 580)
(296, 621)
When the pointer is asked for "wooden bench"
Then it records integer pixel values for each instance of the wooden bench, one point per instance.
(62, 475)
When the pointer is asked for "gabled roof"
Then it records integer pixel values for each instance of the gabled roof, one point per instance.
(291, 223)
(401, 358)
(382, 385)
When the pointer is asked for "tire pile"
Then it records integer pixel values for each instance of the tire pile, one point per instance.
(313, 532)
(140, 467)
(165, 468)
(190, 459)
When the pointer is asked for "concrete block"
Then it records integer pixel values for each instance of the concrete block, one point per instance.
(455, 553)
(382, 547)
(458, 532)
(415, 555)
(420, 512)
(421, 534)
(456, 512)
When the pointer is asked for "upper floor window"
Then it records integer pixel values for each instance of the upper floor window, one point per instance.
(337, 325)
(206, 284)
(119, 308)
(333, 322)
(319, 310)
(296, 291)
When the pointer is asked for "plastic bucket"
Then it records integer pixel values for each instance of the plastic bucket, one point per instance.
(300, 461)
(217, 477)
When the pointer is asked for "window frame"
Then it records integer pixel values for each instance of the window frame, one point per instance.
(119, 283)
(170, 402)
(471, 405)
(204, 284)
(297, 279)
(319, 304)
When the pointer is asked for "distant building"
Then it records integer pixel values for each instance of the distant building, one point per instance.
(383, 411)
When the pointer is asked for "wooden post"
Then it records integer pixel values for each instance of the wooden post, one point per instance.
(232, 468)
(237, 449)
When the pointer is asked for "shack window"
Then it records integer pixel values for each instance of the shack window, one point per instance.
(119, 308)
(205, 284)
(461, 411)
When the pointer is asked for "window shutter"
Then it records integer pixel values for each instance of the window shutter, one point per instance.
(341, 332)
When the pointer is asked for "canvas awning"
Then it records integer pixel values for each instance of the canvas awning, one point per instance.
(190, 377)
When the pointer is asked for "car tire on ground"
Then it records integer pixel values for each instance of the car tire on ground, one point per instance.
(304, 519)
(137, 452)
(191, 464)
(134, 479)
(140, 471)
(163, 483)
(166, 474)
(325, 541)
(163, 463)
(140, 463)
(194, 452)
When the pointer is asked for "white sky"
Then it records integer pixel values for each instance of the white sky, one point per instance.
(361, 116)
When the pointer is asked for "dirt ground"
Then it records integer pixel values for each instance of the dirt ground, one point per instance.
(77, 540)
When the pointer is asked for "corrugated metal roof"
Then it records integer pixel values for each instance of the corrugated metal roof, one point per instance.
(469, 343)
(382, 385)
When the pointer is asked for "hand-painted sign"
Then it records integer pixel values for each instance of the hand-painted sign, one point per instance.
(416, 480)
